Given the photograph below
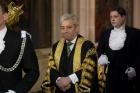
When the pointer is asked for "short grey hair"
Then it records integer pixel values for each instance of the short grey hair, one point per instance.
(72, 17)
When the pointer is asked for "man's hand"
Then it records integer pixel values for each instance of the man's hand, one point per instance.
(64, 83)
(66, 88)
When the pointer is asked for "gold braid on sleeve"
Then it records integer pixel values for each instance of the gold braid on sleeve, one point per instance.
(102, 72)
(88, 66)
(46, 85)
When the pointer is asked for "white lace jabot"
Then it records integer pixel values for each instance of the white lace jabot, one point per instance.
(117, 38)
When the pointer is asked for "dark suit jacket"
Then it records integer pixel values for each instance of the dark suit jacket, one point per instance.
(29, 64)
(120, 59)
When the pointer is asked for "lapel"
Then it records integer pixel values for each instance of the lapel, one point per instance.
(7, 37)
(129, 34)
(12, 48)
(7, 41)
(11, 43)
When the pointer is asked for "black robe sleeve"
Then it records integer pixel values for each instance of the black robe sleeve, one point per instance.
(30, 67)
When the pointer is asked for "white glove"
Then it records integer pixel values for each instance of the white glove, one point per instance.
(131, 73)
(10, 91)
(103, 60)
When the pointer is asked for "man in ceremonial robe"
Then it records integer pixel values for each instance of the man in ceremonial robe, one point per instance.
(72, 65)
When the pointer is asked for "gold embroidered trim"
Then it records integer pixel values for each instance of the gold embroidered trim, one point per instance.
(88, 75)
(77, 54)
(46, 84)
(91, 52)
(58, 52)
(102, 72)
(89, 61)
(49, 90)
(86, 82)
(76, 88)
(84, 89)
(88, 68)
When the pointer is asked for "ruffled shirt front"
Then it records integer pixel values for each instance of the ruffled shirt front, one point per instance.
(2, 42)
(117, 38)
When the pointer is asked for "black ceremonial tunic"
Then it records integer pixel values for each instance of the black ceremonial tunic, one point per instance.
(13, 80)
(116, 80)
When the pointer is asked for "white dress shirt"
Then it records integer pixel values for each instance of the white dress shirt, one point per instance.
(2, 42)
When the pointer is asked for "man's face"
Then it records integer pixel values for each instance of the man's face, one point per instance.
(3, 18)
(116, 19)
(69, 30)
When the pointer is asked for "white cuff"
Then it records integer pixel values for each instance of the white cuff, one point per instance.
(11, 91)
(73, 78)
(103, 59)
(57, 79)
(23, 34)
